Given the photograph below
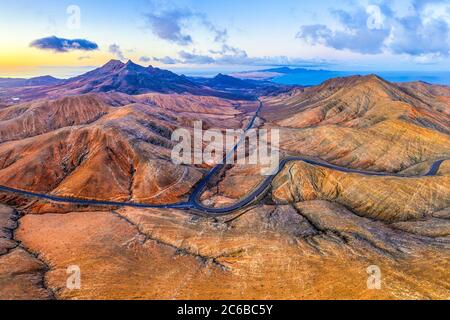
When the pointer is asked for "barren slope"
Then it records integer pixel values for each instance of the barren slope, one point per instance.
(384, 198)
(106, 147)
(362, 122)
(313, 236)
(317, 250)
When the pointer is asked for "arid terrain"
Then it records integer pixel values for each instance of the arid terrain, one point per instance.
(369, 186)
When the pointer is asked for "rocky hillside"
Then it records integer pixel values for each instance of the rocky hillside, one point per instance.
(380, 198)
(363, 122)
(105, 147)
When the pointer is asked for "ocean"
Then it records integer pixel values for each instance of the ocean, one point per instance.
(315, 77)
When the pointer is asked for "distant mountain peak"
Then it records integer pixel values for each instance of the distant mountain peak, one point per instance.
(111, 66)
(130, 78)
(47, 77)
(131, 65)
(285, 70)
(36, 81)
(117, 66)
(224, 76)
(113, 63)
(351, 81)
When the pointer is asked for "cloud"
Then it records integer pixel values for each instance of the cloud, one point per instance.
(361, 40)
(420, 4)
(226, 55)
(376, 29)
(235, 56)
(166, 60)
(171, 25)
(163, 60)
(63, 45)
(192, 58)
(431, 38)
(145, 59)
(229, 50)
(168, 25)
(116, 51)
(220, 34)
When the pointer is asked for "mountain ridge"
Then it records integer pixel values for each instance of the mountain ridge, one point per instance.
(24, 82)
(131, 78)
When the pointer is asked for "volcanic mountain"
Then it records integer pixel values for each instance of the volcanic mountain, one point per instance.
(224, 81)
(32, 82)
(131, 78)
(245, 88)
(116, 76)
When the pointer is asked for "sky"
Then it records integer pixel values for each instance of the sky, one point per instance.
(65, 38)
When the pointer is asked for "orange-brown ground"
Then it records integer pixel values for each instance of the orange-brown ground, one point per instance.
(313, 236)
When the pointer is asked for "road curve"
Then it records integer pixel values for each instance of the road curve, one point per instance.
(264, 186)
(194, 202)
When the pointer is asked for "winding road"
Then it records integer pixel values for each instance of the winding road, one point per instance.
(194, 202)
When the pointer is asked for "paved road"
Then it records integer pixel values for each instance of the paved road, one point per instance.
(194, 202)
(266, 183)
